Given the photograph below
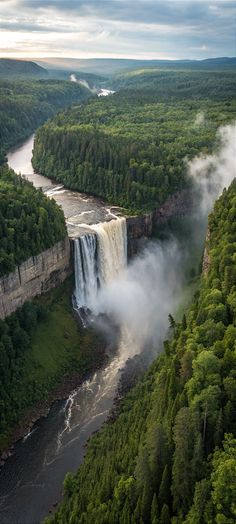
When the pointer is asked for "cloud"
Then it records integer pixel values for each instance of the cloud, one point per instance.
(153, 29)
(211, 173)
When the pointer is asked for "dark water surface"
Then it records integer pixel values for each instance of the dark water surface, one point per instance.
(31, 479)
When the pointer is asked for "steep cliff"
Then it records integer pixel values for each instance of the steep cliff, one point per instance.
(141, 227)
(138, 228)
(178, 204)
(35, 276)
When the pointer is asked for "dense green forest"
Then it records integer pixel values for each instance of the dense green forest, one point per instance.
(131, 147)
(40, 344)
(25, 104)
(179, 85)
(170, 453)
(29, 221)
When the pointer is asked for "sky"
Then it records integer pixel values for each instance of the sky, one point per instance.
(142, 29)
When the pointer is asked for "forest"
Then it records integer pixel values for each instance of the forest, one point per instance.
(131, 148)
(179, 85)
(170, 453)
(29, 221)
(25, 104)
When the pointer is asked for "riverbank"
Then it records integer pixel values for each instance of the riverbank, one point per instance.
(62, 355)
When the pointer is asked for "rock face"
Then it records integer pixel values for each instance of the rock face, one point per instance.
(139, 228)
(35, 276)
(206, 256)
(178, 204)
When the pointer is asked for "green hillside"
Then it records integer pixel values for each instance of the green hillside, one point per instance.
(10, 68)
(29, 221)
(41, 346)
(171, 83)
(25, 104)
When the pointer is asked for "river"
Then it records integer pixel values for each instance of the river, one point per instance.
(31, 479)
(80, 210)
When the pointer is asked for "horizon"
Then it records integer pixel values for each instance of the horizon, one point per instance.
(35, 59)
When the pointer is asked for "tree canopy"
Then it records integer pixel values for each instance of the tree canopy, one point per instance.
(25, 104)
(29, 221)
(131, 147)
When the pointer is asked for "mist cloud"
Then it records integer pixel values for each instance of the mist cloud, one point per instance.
(144, 294)
(212, 173)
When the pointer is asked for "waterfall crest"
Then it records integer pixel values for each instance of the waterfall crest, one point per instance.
(99, 257)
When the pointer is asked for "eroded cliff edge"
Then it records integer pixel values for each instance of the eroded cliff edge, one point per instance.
(35, 276)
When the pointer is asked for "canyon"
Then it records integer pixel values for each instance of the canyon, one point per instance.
(30, 481)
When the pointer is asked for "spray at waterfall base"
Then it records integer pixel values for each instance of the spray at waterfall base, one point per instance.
(129, 303)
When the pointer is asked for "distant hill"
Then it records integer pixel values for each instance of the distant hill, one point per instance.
(65, 74)
(110, 66)
(166, 83)
(21, 68)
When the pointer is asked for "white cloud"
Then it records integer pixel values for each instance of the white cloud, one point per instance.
(137, 29)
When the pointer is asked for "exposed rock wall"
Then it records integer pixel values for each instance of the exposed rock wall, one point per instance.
(178, 204)
(139, 228)
(206, 256)
(35, 276)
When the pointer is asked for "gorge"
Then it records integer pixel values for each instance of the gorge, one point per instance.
(36, 483)
(154, 281)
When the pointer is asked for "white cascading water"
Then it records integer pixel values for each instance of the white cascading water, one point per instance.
(99, 257)
(86, 275)
(112, 249)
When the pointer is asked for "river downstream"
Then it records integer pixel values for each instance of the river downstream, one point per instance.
(31, 479)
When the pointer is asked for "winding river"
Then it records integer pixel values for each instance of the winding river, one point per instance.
(31, 479)
(80, 210)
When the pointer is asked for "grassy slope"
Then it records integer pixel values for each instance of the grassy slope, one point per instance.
(60, 349)
(58, 340)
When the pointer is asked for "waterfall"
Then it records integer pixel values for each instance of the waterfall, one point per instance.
(99, 257)
(86, 276)
(112, 248)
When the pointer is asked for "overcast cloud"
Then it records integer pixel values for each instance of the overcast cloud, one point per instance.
(117, 28)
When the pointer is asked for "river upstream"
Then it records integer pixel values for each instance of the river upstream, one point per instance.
(31, 479)
(79, 209)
